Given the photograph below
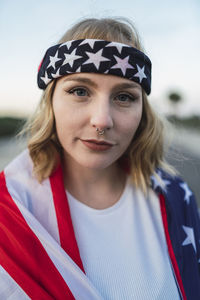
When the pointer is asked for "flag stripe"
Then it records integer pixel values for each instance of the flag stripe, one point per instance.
(170, 248)
(29, 265)
(66, 230)
(9, 289)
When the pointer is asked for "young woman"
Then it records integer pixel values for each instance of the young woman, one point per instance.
(91, 210)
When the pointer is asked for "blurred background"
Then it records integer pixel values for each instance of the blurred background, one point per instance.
(170, 33)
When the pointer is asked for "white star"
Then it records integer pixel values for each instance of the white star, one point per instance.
(156, 183)
(46, 79)
(190, 237)
(140, 74)
(122, 64)
(187, 191)
(67, 44)
(79, 69)
(95, 58)
(56, 75)
(53, 60)
(166, 182)
(162, 184)
(91, 42)
(70, 58)
(119, 46)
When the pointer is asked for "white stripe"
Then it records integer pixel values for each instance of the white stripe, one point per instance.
(9, 289)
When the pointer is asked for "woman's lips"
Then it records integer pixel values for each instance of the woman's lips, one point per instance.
(97, 145)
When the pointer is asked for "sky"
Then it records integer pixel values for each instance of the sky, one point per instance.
(169, 31)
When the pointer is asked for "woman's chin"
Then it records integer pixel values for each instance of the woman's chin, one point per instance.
(96, 164)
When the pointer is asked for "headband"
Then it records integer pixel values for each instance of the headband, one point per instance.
(95, 56)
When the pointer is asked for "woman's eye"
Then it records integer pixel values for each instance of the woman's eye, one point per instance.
(125, 98)
(80, 92)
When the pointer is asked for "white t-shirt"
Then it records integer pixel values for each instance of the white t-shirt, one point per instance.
(123, 247)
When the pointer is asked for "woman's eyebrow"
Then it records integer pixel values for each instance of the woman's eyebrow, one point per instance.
(82, 80)
(126, 85)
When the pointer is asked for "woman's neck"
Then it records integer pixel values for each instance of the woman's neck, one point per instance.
(98, 189)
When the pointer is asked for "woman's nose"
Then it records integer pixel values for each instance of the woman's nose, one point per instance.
(101, 116)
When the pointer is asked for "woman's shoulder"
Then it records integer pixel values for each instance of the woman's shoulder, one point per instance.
(179, 198)
(177, 193)
(17, 182)
(17, 177)
(20, 166)
(166, 183)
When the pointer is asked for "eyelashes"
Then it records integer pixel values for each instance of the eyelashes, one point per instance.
(124, 97)
(120, 97)
(79, 91)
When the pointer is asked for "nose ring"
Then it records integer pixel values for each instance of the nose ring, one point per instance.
(100, 132)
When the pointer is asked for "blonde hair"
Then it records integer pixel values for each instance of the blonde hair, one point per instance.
(146, 151)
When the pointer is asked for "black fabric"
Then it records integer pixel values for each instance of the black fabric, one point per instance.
(95, 56)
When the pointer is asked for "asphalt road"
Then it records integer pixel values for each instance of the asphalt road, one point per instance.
(188, 166)
(184, 155)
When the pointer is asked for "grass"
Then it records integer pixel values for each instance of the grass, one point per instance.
(192, 122)
(10, 126)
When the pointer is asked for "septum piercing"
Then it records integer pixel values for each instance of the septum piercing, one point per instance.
(100, 132)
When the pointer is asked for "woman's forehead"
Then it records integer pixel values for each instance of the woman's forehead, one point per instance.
(97, 79)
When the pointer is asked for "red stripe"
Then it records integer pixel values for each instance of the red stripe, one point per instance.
(23, 256)
(66, 231)
(170, 248)
(40, 65)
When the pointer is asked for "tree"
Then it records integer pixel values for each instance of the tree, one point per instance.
(175, 97)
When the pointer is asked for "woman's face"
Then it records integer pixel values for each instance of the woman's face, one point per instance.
(82, 103)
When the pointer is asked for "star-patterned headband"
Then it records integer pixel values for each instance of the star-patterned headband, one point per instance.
(95, 56)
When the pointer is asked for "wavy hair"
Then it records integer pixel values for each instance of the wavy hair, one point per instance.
(146, 151)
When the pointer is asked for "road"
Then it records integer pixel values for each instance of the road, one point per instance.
(184, 155)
